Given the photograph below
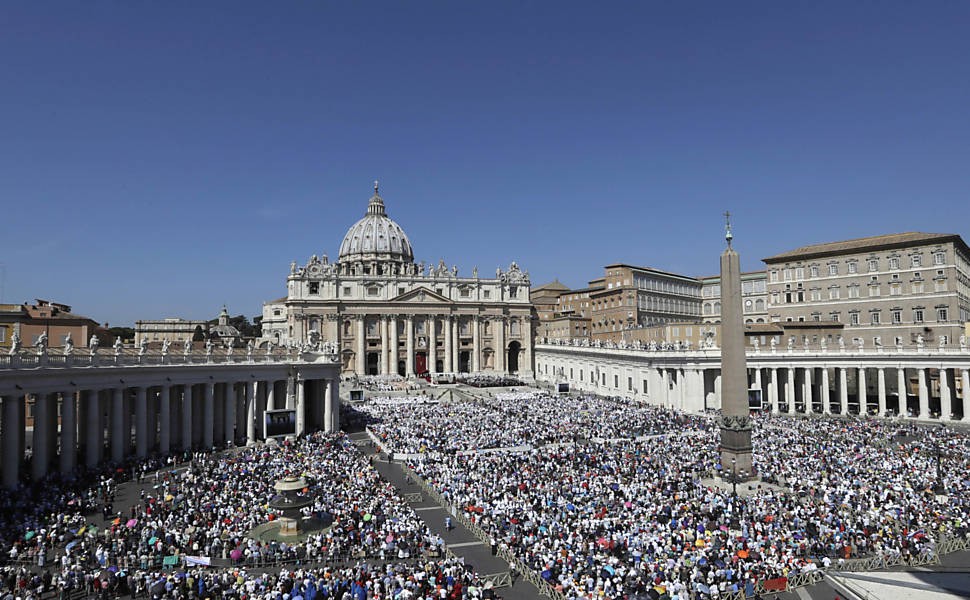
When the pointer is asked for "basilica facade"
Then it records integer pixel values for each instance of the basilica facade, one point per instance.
(388, 315)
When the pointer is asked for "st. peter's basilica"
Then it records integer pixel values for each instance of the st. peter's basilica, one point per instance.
(380, 308)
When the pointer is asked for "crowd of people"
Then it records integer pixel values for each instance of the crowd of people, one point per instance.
(515, 419)
(200, 512)
(610, 517)
(481, 380)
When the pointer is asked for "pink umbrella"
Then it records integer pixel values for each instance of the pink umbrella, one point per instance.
(131, 523)
(235, 554)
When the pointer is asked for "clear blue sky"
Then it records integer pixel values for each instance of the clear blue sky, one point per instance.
(161, 159)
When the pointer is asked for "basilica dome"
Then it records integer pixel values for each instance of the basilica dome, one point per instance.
(376, 236)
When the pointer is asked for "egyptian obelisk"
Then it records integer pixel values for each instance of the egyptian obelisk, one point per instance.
(735, 418)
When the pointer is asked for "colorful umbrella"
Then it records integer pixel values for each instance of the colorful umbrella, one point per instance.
(131, 523)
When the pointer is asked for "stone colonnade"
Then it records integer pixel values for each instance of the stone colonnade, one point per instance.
(81, 418)
(918, 385)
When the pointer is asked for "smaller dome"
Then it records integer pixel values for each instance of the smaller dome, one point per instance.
(376, 236)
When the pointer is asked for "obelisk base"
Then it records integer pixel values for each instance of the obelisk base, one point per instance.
(736, 447)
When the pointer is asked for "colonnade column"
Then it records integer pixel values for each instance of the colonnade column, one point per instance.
(117, 424)
(902, 393)
(12, 433)
(328, 405)
(790, 390)
(300, 406)
(93, 435)
(208, 416)
(843, 392)
(409, 330)
(455, 344)
(229, 397)
(807, 389)
(393, 360)
(881, 383)
(41, 443)
(863, 392)
(251, 413)
(360, 365)
(68, 432)
(449, 366)
(186, 434)
(432, 345)
(385, 344)
(476, 365)
(141, 422)
(924, 395)
(527, 345)
(772, 393)
(333, 388)
(826, 400)
(946, 405)
(164, 419)
(965, 375)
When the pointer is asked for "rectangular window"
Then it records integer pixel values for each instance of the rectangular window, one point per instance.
(833, 269)
(874, 318)
(894, 263)
(941, 314)
(873, 265)
(833, 293)
(816, 295)
(464, 293)
(400, 291)
(800, 273)
(853, 267)
(580, 374)
(917, 315)
(3, 334)
(897, 317)
(917, 260)
(918, 287)
(314, 287)
(629, 384)
(346, 291)
(895, 289)
(787, 274)
(645, 386)
(813, 271)
(513, 291)
(939, 258)
(940, 285)
(372, 291)
(853, 291)
(774, 276)
(874, 290)
(486, 294)
(853, 318)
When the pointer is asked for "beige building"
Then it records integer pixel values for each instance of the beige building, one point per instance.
(173, 330)
(545, 299)
(634, 297)
(889, 289)
(754, 293)
(30, 321)
(387, 314)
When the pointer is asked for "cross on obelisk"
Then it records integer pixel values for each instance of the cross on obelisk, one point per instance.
(735, 418)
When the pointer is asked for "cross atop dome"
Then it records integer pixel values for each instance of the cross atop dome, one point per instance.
(376, 204)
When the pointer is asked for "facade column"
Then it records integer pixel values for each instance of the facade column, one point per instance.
(229, 399)
(208, 416)
(790, 390)
(773, 393)
(141, 422)
(665, 384)
(526, 330)
(92, 421)
(902, 393)
(251, 413)
(807, 389)
(334, 389)
(924, 394)
(456, 344)
(826, 399)
(393, 360)
(881, 384)
(863, 392)
(409, 331)
(165, 419)
(186, 435)
(271, 394)
(449, 365)
(300, 406)
(327, 405)
(499, 337)
(41, 442)
(432, 345)
(360, 365)
(843, 391)
(476, 325)
(946, 404)
(12, 434)
(385, 345)
(118, 425)
(68, 431)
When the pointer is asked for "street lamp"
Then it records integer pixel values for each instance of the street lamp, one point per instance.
(734, 477)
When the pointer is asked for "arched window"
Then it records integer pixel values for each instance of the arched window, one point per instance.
(717, 308)
(759, 305)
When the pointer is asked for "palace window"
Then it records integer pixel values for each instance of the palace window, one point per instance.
(874, 290)
(939, 258)
(372, 291)
(874, 318)
(346, 291)
(800, 273)
(941, 314)
(787, 274)
(916, 260)
(917, 287)
(486, 294)
(895, 289)
(897, 317)
(853, 318)
(853, 267)
(894, 263)
(833, 269)
(813, 271)
(917, 315)
(854, 291)
(873, 265)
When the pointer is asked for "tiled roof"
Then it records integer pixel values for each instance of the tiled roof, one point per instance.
(866, 243)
